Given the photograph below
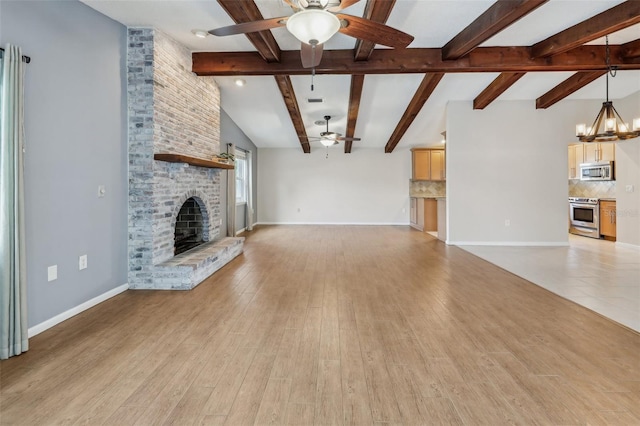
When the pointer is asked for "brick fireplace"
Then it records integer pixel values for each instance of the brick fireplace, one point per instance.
(171, 111)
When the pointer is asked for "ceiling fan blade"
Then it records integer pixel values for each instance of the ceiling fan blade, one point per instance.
(347, 139)
(343, 5)
(250, 27)
(374, 31)
(310, 55)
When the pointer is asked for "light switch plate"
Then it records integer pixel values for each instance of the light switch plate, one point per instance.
(52, 273)
(102, 190)
(628, 188)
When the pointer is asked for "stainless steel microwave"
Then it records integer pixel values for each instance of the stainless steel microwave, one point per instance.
(597, 171)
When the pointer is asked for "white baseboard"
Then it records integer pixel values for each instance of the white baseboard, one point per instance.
(37, 329)
(627, 246)
(336, 223)
(508, 243)
(240, 231)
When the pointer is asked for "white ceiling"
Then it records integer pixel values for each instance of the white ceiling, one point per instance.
(258, 108)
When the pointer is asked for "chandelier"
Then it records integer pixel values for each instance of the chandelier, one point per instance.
(608, 125)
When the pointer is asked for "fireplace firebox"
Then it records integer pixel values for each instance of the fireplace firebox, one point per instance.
(189, 227)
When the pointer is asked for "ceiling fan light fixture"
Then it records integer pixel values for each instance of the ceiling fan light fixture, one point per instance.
(200, 33)
(327, 141)
(313, 26)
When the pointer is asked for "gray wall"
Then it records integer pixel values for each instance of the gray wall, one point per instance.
(231, 133)
(75, 125)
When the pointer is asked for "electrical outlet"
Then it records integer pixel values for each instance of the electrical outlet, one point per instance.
(52, 273)
(298, 209)
(507, 222)
(82, 262)
(404, 210)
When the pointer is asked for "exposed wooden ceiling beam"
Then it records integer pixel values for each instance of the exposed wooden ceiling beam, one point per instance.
(631, 50)
(378, 11)
(403, 61)
(289, 96)
(607, 22)
(357, 81)
(247, 11)
(567, 87)
(495, 19)
(496, 88)
(428, 85)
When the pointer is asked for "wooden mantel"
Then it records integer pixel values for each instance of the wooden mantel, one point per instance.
(200, 162)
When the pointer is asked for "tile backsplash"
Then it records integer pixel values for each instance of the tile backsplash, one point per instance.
(591, 189)
(427, 188)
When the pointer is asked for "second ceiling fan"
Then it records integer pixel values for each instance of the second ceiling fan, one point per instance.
(316, 21)
(328, 138)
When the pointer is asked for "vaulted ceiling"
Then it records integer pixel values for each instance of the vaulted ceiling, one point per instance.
(476, 50)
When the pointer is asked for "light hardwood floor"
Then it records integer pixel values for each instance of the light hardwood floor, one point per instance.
(333, 325)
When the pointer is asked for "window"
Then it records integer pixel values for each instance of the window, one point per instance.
(242, 174)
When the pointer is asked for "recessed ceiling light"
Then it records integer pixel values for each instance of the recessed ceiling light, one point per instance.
(240, 82)
(200, 33)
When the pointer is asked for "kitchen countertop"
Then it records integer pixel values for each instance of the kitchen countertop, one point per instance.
(606, 199)
(435, 197)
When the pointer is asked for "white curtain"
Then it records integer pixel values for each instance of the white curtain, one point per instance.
(13, 279)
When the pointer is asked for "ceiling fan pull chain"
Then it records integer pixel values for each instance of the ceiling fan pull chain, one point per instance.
(314, 43)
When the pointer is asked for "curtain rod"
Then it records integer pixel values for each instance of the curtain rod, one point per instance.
(25, 58)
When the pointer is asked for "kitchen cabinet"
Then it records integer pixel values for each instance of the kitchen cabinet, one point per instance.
(428, 164)
(430, 215)
(424, 214)
(437, 164)
(417, 213)
(608, 219)
(421, 164)
(597, 152)
(575, 158)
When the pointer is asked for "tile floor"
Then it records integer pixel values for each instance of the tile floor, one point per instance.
(597, 274)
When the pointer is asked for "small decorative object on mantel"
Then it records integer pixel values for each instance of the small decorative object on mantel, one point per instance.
(225, 157)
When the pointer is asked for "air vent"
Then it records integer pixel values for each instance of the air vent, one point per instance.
(315, 100)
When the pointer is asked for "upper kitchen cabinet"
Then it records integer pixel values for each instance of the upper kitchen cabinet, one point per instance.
(576, 156)
(428, 164)
(597, 152)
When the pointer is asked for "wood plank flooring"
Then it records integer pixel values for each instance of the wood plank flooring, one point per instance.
(332, 325)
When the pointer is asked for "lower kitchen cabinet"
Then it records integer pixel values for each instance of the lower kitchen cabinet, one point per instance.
(417, 213)
(424, 214)
(608, 219)
(430, 215)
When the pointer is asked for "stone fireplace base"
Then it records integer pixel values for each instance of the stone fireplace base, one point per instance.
(187, 270)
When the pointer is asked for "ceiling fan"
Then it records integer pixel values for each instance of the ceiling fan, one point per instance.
(330, 138)
(316, 21)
